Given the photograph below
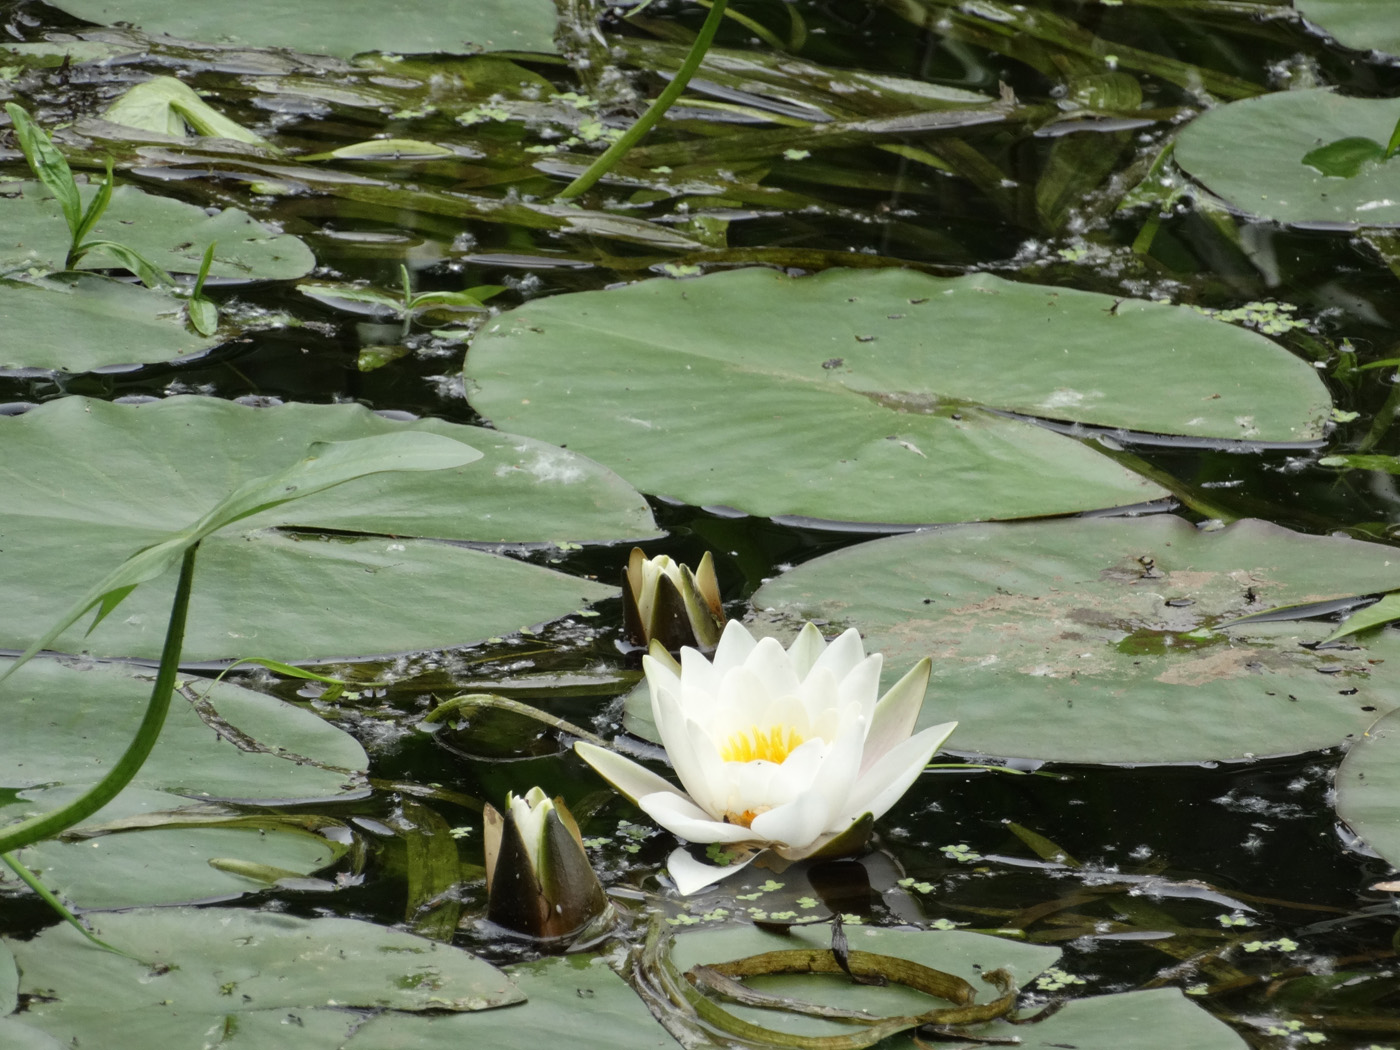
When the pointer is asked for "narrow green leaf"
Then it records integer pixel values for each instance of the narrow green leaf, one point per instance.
(151, 275)
(94, 211)
(204, 316)
(203, 274)
(47, 164)
(1385, 611)
(1346, 157)
(1393, 146)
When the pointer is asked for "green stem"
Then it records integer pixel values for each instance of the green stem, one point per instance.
(47, 825)
(32, 881)
(655, 111)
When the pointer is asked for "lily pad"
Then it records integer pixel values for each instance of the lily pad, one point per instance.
(1100, 640)
(249, 977)
(1252, 153)
(576, 994)
(169, 233)
(76, 323)
(874, 395)
(381, 582)
(339, 27)
(66, 726)
(1368, 788)
(1139, 1020)
(1367, 25)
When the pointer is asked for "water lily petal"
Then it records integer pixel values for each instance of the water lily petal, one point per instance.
(797, 823)
(684, 819)
(682, 737)
(632, 780)
(882, 786)
(698, 673)
(770, 662)
(862, 684)
(662, 672)
(842, 654)
(691, 875)
(806, 648)
(815, 810)
(896, 713)
(799, 773)
(734, 645)
(821, 694)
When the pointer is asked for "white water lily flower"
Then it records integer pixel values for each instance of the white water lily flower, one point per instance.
(778, 749)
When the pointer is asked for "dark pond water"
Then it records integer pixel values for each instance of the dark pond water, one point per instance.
(1162, 848)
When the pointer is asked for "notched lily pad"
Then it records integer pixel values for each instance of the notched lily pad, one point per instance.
(339, 27)
(1367, 25)
(872, 395)
(1278, 156)
(1100, 640)
(169, 233)
(82, 322)
(383, 567)
(225, 970)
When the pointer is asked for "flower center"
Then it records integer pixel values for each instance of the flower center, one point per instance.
(773, 744)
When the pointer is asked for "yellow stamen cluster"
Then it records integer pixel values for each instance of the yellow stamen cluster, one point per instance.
(759, 745)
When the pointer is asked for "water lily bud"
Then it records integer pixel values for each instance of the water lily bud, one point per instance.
(662, 600)
(538, 877)
(790, 750)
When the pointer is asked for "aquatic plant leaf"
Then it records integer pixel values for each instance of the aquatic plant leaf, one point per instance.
(1344, 158)
(382, 583)
(77, 323)
(1255, 154)
(1097, 641)
(577, 994)
(864, 395)
(171, 107)
(339, 27)
(67, 725)
(17, 1036)
(250, 976)
(169, 233)
(1368, 787)
(1362, 24)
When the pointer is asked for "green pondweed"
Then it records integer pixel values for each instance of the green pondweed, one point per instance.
(406, 304)
(51, 169)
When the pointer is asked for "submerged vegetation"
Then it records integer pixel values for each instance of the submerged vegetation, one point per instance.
(1046, 348)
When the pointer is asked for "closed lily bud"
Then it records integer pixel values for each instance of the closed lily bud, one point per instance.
(664, 601)
(538, 878)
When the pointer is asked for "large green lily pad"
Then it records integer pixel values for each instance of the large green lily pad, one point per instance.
(1098, 640)
(867, 395)
(105, 480)
(76, 323)
(1368, 788)
(169, 233)
(1251, 154)
(240, 979)
(339, 27)
(1367, 25)
(576, 994)
(66, 726)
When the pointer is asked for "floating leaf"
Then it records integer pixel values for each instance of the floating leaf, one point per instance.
(1260, 154)
(864, 395)
(76, 323)
(168, 232)
(339, 27)
(229, 971)
(1345, 158)
(232, 744)
(1368, 788)
(171, 107)
(386, 149)
(1098, 640)
(1367, 25)
(576, 994)
(147, 470)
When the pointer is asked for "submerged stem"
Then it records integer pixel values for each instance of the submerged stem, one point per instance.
(655, 111)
